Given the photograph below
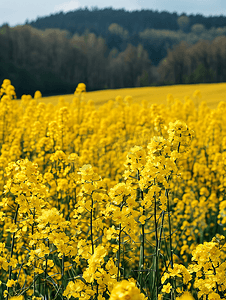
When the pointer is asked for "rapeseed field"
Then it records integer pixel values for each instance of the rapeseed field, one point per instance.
(212, 94)
(113, 194)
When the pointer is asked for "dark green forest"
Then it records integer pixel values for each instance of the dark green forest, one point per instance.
(109, 48)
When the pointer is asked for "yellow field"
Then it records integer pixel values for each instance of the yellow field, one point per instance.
(212, 94)
(118, 198)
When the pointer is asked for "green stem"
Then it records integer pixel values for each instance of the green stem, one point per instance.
(12, 248)
(62, 274)
(46, 266)
(141, 262)
(123, 258)
(155, 270)
(169, 222)
(215, 273)
(160, 233)
(92, 241)
(91, 225)
(32, 232)
(119, 241)
(119, 250)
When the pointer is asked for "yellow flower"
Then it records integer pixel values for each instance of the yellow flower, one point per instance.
(80, 88)
(37, 95)
(5, 293)
(142, 220)
(126, 290)
(197, 93)
(166, 288)
(10, 283)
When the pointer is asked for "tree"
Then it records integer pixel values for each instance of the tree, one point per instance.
(174, 66)
(200, 75)
(198, 28)
(183, 23)
(218, 58)
(114, 28)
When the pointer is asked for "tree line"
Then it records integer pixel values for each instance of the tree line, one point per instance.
(98, 20)
(54, 61)
(156, 31)
(203, 62)
(49, 61)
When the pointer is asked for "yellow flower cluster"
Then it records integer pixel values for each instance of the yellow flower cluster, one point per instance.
(126, 201)
(209, 270)
(7, 90)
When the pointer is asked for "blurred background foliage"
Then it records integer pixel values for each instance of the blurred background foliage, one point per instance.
(109, 48)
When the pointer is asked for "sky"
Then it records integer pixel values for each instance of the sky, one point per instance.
(15, 12)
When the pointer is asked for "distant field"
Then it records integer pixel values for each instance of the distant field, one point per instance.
(212, 94)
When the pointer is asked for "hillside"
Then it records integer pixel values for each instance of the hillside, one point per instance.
(156, 31)
(98, 20)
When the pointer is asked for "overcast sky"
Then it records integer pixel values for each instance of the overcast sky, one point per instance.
(15, 12)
